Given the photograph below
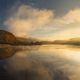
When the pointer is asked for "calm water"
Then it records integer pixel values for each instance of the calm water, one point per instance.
(48, 62)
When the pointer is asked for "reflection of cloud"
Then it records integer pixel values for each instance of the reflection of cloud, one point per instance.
(29, 67)
(25, 68)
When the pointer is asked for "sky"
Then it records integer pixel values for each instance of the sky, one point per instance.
(42, 19)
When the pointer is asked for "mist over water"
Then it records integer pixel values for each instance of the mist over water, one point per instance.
(48, 62)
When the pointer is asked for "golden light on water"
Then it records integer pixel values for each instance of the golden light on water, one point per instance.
(72, 55)
(63, 52)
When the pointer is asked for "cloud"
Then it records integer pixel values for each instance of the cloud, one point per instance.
(43, 23)
(27, 19)
(72, 16)
(65, 27)
(71, 23)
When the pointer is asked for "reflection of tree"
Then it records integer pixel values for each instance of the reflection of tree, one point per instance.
(6, 52)
(59, 75)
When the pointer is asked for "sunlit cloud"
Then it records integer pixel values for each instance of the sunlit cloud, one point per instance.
(43, 23)
(70, 25)
(72, 16)
(27, 19)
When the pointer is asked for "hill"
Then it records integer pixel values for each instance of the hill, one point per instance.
(7, 37)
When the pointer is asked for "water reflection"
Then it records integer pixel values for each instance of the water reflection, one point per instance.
(6, 52)
(42, 63)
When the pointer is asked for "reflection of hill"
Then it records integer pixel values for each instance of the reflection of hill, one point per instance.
(6, 52)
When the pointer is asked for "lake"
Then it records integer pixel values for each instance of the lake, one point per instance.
(47, 62)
